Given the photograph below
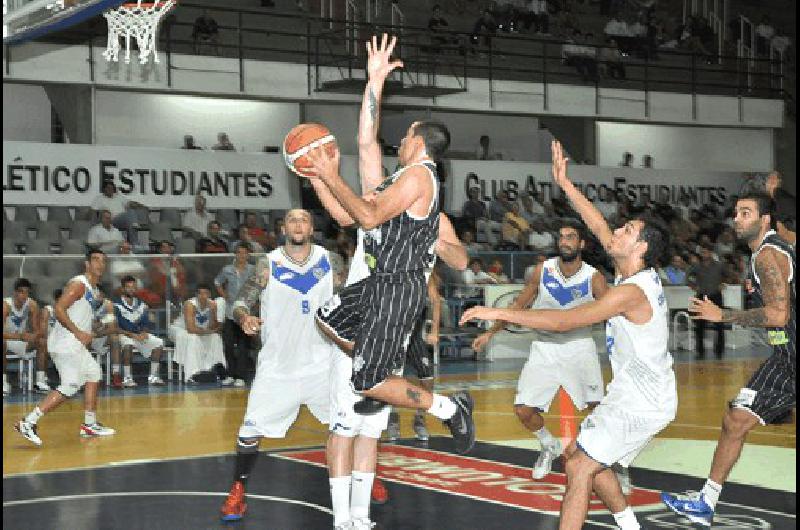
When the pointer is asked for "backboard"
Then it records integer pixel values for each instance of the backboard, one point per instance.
(25, 20)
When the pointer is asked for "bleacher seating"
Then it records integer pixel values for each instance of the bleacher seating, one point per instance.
(60, 216)
(27, 215)
(171, 216)
(80, 229)
(49, 231)
(15, 231)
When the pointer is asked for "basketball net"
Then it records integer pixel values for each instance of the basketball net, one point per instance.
(140, 21)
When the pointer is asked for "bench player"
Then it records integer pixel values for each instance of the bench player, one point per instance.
(67, 345)
(641, 398)
(21, 331)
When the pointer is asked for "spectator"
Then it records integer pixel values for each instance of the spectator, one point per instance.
(499, 207)
(495, 270)
(485, 27)
(237, 345)
(244, 237)
(167, 272)
(611, 63)
(581, 56)
(532, 210)
(515, 228)
(538, 16)
(474, 209)
(133, 321)
(213, 242)
(780, 43)
(198, 346)
(726, 243)
(540, 239)
(123, 212)
(627, 160)
(276, 237)
(223, 143)
(257, 232)
(764, 34)
(105, 235)
(484, 152)
(675, 272)
(188, 143)
(205, 31)
(475, 275)
(436, 24)
(705, 278)
(468, 240)
(196, 220)
(616, 27)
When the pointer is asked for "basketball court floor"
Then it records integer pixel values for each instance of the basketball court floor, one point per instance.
(170, 464)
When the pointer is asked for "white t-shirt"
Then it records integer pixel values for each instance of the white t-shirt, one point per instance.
(470, 278)
(109, 239)
(541, 240)
(196, 222)
(116, 204)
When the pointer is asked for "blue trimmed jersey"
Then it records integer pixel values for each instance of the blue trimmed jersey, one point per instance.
(558, 292)
(292, 344)
(81, 312)
(18, 320)
(131, 316)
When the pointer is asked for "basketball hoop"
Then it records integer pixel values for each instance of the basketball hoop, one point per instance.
(140, 21)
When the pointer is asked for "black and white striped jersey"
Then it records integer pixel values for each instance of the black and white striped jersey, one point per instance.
(782, 339)
(404, 243)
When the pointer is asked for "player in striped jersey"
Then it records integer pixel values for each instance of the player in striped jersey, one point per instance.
(20, 326)
(771, 392)
(641, 399)
(67, 346)
(401, 223)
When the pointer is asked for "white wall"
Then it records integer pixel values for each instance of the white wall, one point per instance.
(701, 148)
(161, 120)
(26, 113)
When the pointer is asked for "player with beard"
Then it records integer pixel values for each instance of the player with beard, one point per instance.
(771, 392)
(568, 360)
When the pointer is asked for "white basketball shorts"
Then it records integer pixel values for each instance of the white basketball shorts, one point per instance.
(76, 367)
(573, 366)
(344, 420)
(145, 347)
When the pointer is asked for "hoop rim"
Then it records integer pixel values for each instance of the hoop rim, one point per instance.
(146, 5)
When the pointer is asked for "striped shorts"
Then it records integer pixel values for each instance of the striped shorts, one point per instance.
(379, 315)
(420, 353)
(771, 393)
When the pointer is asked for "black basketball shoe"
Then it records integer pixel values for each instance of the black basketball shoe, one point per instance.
(462, 425)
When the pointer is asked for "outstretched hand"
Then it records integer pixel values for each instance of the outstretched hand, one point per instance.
(704, 309)
(322, 165)
(477, 313)
(379, 63)
(559, 164)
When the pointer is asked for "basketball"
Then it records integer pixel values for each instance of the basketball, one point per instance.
(301, 140)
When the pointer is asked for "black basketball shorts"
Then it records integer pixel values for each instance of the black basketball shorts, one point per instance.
(343, 314)
(420, 353)
(770, 394)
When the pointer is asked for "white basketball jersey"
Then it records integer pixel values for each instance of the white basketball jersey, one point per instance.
(51, 318)
(643, 380)
(81, 312)
(202, 317)
(558, 292)
(18, 320)
(292, 344)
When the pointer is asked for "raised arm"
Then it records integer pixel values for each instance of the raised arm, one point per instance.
(449, 247)
(590, 215)
(379, 66)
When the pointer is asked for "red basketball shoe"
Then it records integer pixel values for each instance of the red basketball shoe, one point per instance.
(234, 506)
(380, 495)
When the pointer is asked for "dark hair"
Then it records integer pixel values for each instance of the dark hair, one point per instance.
(57, 294)
(91, 251)
(102, 288)
(655, 233)
(575, 225)
(474, 261)
(214, 222)
(436, 137)
(204, 285)
(22, 283)
(244, 244)
(765, 203)
(127, 279)
(106, 183)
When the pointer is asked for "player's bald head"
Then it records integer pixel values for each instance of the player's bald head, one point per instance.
(299, 212)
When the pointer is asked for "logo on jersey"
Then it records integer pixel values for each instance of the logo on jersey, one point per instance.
(358, 363)
(576, 294)
(306, 307)
(318, 272)
(286, 276)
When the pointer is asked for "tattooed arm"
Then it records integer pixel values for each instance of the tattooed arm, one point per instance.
(379, 66)
(251, 290)
(773, 270)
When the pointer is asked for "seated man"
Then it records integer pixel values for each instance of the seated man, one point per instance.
(20, 325)
(213, 242)
(133, 322)
(205, 31)
(105, 235)
(515, 228)
(198, 346)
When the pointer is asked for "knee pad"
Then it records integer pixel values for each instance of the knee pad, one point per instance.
(247, 445)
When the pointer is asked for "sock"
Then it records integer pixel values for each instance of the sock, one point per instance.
(626, 519)
(114, 368)
(711, 491)
(246, 455)
(34, 416)
(154, 368)
(443, 407)
(340, 499)
(127, 370)
(548, 440)
(40, 376)
(361, 494)
(89, 417)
